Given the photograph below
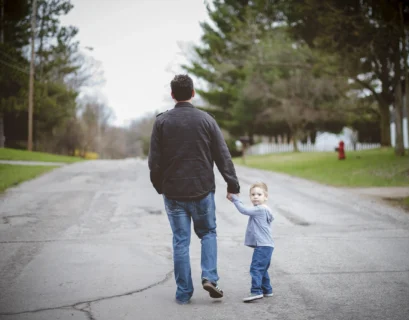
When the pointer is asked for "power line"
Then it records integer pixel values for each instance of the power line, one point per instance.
(12, 62)
(5, 54)
(14, 67)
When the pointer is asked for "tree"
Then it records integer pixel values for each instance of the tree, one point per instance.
(69, 136)
(219, 59)
(291, 83)
(113, 143)
(14, 36)
(95, 116)
(54, 104)
(241, 60)
(56, 63)
(254, 71)
(369, 38)
(54, 100)
(88, 74)
(54, 42)
(138, 135)
(61, 72)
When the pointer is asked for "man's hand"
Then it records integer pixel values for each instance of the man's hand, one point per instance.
(229, 195)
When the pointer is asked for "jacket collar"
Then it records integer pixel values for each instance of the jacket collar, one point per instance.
(183, 104)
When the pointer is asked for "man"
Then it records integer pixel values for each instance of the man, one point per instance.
(185, 143)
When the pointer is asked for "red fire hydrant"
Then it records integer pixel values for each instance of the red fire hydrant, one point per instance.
(341, 151)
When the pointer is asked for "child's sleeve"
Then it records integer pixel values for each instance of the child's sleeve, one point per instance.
(248, 211)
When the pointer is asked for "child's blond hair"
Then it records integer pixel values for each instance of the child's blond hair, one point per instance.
(260, 185)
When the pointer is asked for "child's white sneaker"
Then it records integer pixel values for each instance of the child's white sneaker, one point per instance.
(253, 296)
(268, 294)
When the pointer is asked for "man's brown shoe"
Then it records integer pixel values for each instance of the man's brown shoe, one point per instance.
(212, 288)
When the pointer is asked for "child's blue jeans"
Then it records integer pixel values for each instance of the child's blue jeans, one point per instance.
(260, 281)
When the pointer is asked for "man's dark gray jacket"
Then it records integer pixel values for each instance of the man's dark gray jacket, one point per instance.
(185, 143)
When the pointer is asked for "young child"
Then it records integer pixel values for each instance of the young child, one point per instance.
(259, 237)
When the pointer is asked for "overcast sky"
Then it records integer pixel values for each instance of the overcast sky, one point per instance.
(137, 43)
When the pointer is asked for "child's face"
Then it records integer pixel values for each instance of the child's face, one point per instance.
(257, 196)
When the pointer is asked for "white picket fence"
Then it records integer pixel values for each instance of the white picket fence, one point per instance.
(265, 148)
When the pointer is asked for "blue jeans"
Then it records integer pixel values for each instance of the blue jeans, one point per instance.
(203, 214)
(260, 281)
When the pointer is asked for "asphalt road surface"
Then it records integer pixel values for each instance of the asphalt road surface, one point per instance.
(92, 241)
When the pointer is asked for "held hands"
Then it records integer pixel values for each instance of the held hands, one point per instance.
(230, 195)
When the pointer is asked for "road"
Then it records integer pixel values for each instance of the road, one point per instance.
(91, 241)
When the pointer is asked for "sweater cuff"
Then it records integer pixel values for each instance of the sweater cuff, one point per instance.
(233, 188)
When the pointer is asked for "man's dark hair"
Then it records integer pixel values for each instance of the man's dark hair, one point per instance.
(182, 87)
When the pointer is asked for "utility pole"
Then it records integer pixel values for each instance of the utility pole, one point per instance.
(1, 42)
(1, 21)
(31, 81)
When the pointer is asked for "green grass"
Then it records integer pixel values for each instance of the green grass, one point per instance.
(369, 168)
(402, 203)
(14, 154)
(11, 175)
(405, 202)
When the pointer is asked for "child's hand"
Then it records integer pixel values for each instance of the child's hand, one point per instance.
(230, 196)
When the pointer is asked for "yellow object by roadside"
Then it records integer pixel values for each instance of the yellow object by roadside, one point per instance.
(87, 155)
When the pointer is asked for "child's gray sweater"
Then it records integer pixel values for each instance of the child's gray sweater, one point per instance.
(258, 233)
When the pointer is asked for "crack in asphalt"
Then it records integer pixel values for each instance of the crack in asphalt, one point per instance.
(86, 310)
(151, 210)
(41, 241)
(293, 218)
(339, 272)
(239, 238)
(85, 306)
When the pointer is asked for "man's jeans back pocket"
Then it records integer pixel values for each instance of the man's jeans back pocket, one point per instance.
(173, 207)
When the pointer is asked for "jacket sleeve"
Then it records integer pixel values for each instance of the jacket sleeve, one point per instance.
(154, 159)
(248, 211)
(222, 158)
